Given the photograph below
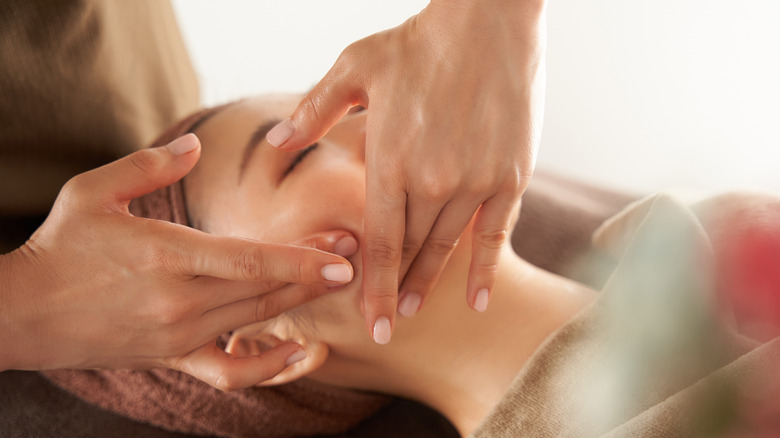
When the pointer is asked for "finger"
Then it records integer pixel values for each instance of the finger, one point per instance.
(235, 258)
(227, 373)
(339, 242)
(216, 292)
(383, 240)
(420, 217)
(322, 107)
(491, 230)
(435, 252)
(144, 171)
(242, 346)
(256, 308)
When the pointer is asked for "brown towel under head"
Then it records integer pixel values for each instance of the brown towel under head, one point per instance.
(181, 403)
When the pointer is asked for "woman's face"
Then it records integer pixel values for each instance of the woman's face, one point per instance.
(244, 187)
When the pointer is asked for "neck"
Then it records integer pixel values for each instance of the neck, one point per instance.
(461, 362)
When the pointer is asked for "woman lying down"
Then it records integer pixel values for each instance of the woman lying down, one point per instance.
(665, 348)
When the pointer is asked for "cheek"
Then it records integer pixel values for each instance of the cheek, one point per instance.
(339, 194)
(329, 199)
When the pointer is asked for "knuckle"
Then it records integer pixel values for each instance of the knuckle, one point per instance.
(349, 56)
(480, 187)
(384, 296)
(492, 238)
(438, 187)
(264, 307)
(309, 108)
(248, 265)
(76, 189)
(485, 267)
(169, 312)
(304, 270)
(440, 246)
(515, 183)
(383, 251)
(160, 258)
(410, 249)
(146, 161)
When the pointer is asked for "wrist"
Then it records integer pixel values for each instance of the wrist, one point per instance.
(6, 313)
(519, 22)
(528, 8)
(12, 277)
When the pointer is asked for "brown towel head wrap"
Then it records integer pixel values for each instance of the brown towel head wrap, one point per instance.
(178, 402)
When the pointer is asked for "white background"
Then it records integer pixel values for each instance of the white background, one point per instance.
(641, 95)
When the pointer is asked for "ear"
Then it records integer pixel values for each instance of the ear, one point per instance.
(254, 341)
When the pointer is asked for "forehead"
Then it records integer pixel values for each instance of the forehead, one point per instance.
(248, 113)
(224, 136)
(212, 183)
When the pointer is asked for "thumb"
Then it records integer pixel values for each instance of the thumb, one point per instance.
(321, 108)
(227, 373)
(145, 171)
(339, 242)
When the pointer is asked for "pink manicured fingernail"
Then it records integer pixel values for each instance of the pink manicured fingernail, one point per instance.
(337, 272)
(280, 133)
(409, 304)
(298, 356)
(480, 302)
(346, 246)
(382, 331)
(182, 145)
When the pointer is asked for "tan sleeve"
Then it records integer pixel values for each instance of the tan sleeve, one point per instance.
(83, 83)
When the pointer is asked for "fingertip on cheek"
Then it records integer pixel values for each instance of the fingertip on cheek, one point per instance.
(409, 305)
(481, 300)
(337, 272)
(382, 331)
(346, 246)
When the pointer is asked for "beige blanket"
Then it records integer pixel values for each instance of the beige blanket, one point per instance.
(654, 356)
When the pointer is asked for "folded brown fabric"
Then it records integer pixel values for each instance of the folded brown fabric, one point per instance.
(178, 402)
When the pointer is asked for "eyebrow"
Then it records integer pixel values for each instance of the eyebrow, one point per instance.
(254, 140)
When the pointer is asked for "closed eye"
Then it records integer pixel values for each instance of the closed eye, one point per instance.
(298, 158)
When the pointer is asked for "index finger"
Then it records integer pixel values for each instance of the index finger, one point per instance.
(384, 225)
(234, 258)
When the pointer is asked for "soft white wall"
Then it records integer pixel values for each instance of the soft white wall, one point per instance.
(641, 95)
(247, 47)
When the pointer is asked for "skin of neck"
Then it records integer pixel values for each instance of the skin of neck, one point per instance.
(452, 358)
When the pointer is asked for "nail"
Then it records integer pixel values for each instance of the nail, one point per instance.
(298, 356)
(409, 304)
(382, 330)
(480, 303)
(280, 133)
(337, 272)
(346, 246)
(182, 145)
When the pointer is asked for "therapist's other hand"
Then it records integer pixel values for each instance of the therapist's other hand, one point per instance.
(455, 102)
(96, 287)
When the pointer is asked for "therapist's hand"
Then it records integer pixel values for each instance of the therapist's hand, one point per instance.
(96, 287)
(454, 98)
